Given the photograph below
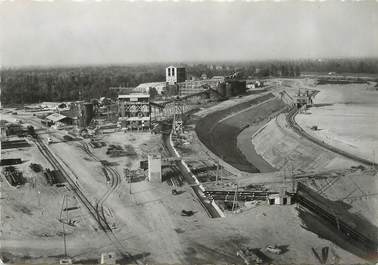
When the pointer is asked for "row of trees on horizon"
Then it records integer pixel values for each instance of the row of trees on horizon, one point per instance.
(32, 85)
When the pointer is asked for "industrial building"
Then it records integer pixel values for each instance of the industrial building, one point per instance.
(80, 113)
(227, 87)
(134, 111)
(231, 87)
(304, 98)
(145, 87)
(56, 117)
(175, 75)
(191, 87)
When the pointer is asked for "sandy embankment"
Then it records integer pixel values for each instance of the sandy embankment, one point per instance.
(347, 118)
(286, 150)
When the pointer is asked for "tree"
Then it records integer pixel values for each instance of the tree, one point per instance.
(153, 92)
(284, 70)
(291, 71)
(297, 70)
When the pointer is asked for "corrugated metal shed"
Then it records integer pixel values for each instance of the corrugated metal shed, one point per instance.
(55, 117)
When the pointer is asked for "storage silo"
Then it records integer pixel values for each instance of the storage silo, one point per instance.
(88, 113)
(224, 89)
(234, 90)
(228, 90)
(220, 89)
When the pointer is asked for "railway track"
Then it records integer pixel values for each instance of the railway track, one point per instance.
(211, 212)
(290, 118)
(113, 178)
(97, 212)
(349, 229)
(240, 195)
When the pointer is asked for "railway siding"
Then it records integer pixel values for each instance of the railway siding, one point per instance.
(96, 212)
(211, 209)
(332, 212)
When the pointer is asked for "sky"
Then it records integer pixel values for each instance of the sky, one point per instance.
(123, 32)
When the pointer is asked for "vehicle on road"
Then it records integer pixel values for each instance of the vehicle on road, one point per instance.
(186, 213)
(273, 249)
(65, 261)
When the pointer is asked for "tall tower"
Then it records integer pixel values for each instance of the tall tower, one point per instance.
(175, 75)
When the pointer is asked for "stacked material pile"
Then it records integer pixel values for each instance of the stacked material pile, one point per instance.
(10, 161)
(97, 144)
(36, 167)
(54, 176)
(14, 144)
(13, 176)
(115, 151)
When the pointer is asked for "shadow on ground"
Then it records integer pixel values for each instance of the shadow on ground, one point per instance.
(324, 229)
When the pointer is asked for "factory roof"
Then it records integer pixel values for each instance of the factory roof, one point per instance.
(178, 67)
(56, 117)
(70, 114)
(218, 77)
(134, 95)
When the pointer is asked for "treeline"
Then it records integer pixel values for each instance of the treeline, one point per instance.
(262, 70)
(279, 68)
(359, 66)
(32, 85)
(66, 84)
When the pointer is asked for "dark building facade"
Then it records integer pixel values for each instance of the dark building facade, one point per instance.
(134, 111)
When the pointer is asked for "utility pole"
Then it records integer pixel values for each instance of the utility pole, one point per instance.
(174, 118)
(292, 184)
(61, 220)
(337, 223)
(39, 198)
(217, 176)
(235, 197)
(292, 178)
(373, 160)
(64, 232)
(130, 181)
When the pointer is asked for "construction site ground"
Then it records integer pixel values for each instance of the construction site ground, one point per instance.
(146, 216)
(227, 181)
(285, 150)
(148, 221)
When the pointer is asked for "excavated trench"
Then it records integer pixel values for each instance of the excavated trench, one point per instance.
(219, 131)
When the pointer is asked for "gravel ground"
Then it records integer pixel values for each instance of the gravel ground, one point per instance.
(147, 219)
